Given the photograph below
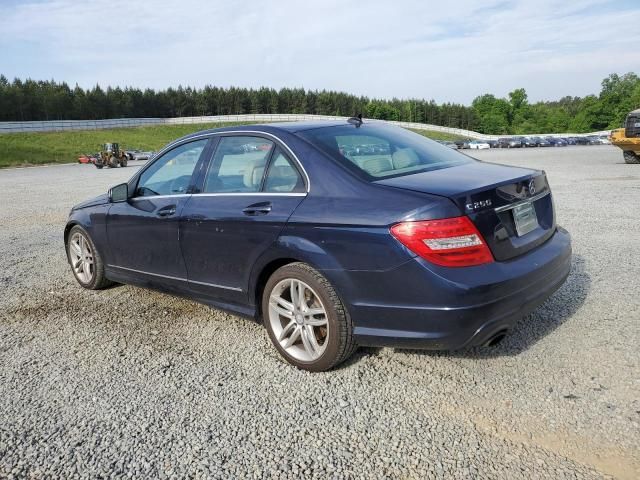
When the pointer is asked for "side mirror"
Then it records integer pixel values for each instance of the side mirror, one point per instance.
(119, 193)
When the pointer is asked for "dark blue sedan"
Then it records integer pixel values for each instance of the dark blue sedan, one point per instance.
(333, 234)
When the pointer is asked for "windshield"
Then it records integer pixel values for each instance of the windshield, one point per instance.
(377, 151)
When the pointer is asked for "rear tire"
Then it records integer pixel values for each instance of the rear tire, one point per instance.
(113, 162)
(631, 157)
(85, 260)
(305, 318)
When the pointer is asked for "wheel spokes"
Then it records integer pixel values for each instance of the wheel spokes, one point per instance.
(294, 292)
(293, 338)
(309, 341)
(281, 306)
(75, 246)
(316, 322)
(287, 330)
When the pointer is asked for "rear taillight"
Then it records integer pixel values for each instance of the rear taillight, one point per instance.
(450, 242)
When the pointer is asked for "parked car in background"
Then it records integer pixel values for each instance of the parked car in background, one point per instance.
(493, 143)
(582, 141)
(419, 247)
(529, 142)
(138, 155)
(479, 145)
(462, 143)
(604, 140)
(570, 140)
(449, 144)
(510, 142)
(593, 139)
(556, 142)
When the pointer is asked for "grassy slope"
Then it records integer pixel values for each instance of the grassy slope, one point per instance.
(63, 147)
(438, 135)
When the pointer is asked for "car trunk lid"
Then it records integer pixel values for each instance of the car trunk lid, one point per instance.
(510, 206)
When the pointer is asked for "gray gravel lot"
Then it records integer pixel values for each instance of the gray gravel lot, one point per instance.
(129, 382)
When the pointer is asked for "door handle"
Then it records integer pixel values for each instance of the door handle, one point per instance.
(261, 208)
(166, 211)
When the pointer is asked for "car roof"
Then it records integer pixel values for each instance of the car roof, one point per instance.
(290, 127)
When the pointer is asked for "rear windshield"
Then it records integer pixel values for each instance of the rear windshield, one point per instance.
(377, 151)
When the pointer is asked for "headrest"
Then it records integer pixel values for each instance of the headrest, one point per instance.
(253, 173)
(404, 157)
(376, 165)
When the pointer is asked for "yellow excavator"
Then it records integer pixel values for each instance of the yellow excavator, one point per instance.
(628, 138)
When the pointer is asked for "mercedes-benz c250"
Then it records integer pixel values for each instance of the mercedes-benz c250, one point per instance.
(333, 234)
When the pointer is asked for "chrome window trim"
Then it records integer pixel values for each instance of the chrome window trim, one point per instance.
(511, 206)
(151, 197)
(277, 139)
(251, 194)
(235, 289)
(223, 194)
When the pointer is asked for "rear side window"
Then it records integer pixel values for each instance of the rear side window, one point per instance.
(238, 165)
(283, 176)
(377, 152)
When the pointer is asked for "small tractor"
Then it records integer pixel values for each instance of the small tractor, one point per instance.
(628, 138)
(111, 156)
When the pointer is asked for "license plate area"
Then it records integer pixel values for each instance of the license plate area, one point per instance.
(525, 218)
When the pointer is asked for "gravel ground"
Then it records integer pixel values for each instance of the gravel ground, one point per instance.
(129, 382)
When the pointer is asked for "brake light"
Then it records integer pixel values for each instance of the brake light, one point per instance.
(450, 242)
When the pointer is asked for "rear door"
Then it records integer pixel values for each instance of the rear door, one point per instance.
(248, 192)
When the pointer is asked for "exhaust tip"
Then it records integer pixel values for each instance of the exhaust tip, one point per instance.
(496, 339)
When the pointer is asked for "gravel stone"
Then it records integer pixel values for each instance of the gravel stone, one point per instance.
(131, 383)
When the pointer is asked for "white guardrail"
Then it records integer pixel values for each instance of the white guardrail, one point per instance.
(62, 125)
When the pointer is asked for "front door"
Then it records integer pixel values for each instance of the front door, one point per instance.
(143, 231)
(248, 193)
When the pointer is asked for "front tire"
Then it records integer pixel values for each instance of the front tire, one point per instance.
(631, 157)
(85, 260)
(305, 318)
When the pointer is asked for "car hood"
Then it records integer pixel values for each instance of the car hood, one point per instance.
(92, 202)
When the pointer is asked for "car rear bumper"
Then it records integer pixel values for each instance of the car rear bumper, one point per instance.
(418, 305)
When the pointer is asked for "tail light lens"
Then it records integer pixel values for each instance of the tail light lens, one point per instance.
(450, 242)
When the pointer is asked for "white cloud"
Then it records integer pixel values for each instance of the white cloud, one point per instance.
(450, 52)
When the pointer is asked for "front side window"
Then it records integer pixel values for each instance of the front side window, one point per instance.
(377, 152)
(238, 165)
(171, 173)
(283, 176)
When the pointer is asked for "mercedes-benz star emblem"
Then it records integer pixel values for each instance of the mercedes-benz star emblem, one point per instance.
(532, 187)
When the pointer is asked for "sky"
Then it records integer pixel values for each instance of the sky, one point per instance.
(447, 51)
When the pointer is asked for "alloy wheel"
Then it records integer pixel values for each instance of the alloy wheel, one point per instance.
(298, 319)
(81, 256)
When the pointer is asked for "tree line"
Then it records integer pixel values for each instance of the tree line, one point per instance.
(27, 100)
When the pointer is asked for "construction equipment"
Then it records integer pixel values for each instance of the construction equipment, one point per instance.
(111, 156)
(628, 138)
